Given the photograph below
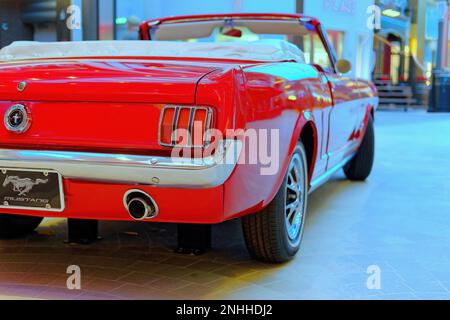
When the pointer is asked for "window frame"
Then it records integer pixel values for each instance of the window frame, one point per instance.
(328, 47)
(146, 29)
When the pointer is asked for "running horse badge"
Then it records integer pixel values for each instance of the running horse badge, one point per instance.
(23, 186)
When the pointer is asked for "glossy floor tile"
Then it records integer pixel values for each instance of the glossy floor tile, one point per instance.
(397, 222)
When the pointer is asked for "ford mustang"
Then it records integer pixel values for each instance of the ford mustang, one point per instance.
(205, 119)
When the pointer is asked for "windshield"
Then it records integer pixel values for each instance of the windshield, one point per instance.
(302, 34)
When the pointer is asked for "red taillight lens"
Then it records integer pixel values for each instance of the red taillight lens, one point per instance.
(166, 127)
(179, 123)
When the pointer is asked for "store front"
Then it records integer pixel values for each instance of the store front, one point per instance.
(392, 42)
(12, 27)
(407, 43)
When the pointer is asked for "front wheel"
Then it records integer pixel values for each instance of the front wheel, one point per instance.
(275, 234)
(17, 226)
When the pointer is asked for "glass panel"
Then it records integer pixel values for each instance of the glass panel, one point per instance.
(304, 36)
(106, 19)
(315, 51)
(337, 40)
(129, 14)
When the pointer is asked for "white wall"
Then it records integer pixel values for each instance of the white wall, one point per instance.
(349, 16)
(150, 9)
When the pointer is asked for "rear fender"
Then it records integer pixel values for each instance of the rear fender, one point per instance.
(306, 118)
(241, 181)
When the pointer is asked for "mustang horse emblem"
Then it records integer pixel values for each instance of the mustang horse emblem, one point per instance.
(23, 186)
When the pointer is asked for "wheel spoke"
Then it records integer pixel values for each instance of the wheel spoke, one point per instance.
(292, 208)
(292, 179)
(297, 174)
(295, 195)
(293, 187)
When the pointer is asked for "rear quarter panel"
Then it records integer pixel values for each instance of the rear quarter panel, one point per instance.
(281, 97)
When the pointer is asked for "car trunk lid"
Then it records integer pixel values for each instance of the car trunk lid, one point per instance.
(118, 80)
(95, 105)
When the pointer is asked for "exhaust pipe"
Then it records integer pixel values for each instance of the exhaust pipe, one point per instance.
(140, 205)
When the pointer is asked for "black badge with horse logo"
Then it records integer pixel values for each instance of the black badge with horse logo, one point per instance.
(33, 190)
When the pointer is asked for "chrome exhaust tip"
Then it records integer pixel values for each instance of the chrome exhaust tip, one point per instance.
(140, 205)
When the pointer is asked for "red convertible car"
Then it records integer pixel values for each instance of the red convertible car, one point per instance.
(205, 119)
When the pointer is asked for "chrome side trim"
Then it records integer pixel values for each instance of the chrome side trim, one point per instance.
(130, 169)
(318, 182)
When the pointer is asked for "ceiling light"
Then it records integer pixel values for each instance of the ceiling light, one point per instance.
(391, 13)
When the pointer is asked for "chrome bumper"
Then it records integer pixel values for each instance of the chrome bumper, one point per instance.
(130, 169)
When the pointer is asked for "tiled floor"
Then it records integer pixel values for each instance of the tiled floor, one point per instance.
(399, 221)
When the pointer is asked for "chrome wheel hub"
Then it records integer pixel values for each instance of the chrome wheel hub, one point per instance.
(295, 197)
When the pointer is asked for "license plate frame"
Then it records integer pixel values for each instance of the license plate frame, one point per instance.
(31, 189)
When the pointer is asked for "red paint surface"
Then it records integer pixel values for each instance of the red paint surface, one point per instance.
(114, 105)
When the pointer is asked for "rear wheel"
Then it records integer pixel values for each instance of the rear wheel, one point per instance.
(360, 167)
(275, 234)
(17, 226)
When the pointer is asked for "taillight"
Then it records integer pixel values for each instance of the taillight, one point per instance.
(179, 123)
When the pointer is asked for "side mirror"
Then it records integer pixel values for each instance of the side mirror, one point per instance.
(344, 66)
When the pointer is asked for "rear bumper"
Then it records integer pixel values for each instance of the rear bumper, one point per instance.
(95, 184)
(103, 201)
(130, 169)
